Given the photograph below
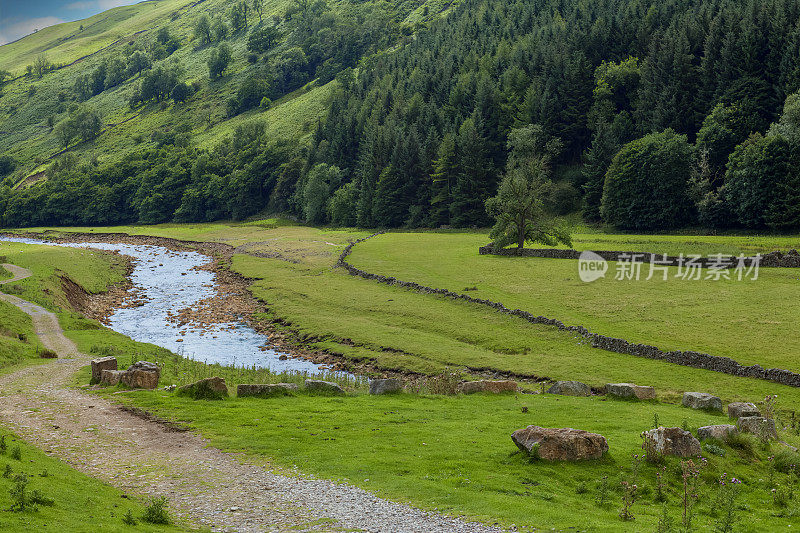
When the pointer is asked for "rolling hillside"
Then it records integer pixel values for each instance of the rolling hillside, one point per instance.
(72, 41)
(31, 106)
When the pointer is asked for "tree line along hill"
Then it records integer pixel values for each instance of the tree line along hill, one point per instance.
(647, 114)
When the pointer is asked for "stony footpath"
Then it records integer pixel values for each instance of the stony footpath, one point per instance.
(205, 486)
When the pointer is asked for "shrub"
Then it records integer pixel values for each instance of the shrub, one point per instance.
(218, 61)
(786, 461)
(16, 453)
(713, 449)
(18, 493)
(200, 391)
(602, 492)
(37, 498)
(128, 518)
(647, 185)
(155, 512)
(444, 383)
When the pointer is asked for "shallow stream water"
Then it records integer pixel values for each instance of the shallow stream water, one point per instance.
(170, 281)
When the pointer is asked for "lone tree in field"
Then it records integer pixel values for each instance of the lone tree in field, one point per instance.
(519, 205)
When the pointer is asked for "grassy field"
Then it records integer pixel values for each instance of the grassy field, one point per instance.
(752, 321)
(18, 343)
(396, 329)
(92, 270)
(79, 503)
(455, 454)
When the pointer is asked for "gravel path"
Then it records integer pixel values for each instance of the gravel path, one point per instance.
(205, 487)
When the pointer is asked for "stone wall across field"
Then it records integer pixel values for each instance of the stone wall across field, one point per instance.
(790, 259)
(704, 361)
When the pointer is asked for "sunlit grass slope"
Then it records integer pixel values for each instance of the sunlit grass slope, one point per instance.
(65, 43)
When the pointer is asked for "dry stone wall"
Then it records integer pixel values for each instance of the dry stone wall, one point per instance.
(790, 259)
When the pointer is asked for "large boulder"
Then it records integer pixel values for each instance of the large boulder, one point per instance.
(739, 409)
(141, 375)
(560, 444)
(673, 441)
(385, 386)
(758, 425)
(701, 400)
(324, 387)
(98, 365)
(485, 385)
(205, 389)
(719, 431)
(570, 388)
(629, 391)
(110, 377)
(269, 390)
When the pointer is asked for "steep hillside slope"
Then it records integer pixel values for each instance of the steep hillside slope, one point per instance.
(71, 41)
(61, 57)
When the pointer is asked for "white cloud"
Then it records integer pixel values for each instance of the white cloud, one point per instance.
(81, 5)
(108, 4)
(101, 5)
(12, 32)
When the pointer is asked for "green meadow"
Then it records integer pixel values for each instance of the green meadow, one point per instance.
(453, 453)
(751, 321)
(374, 326)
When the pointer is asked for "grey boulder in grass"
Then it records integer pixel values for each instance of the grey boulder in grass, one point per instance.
(673, 441)
(110, 377)
(739, 409)
(324, 387)
(98, 365)
(719, 431)
(385, 386)
(630, 391)
(570, 388)
(560, 444)
(141, 375)
(758, 425)
(205, 389)
(267, 390)
(702, 400)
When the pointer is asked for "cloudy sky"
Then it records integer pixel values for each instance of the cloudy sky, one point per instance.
(20, 17)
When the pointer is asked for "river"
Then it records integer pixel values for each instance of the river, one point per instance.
(170, 281)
